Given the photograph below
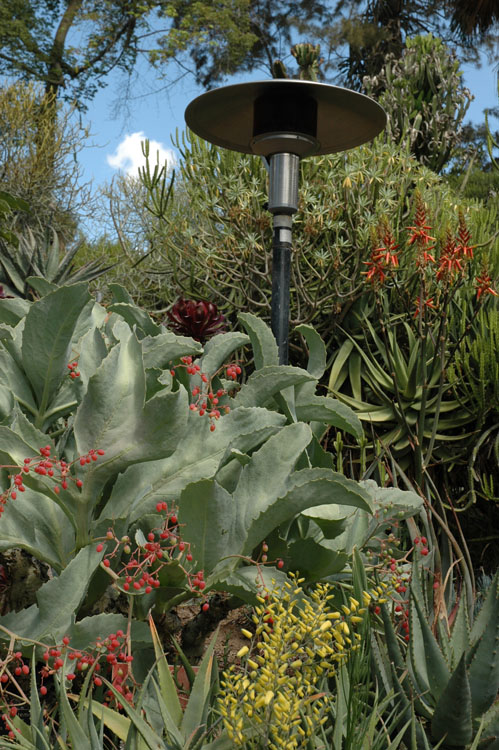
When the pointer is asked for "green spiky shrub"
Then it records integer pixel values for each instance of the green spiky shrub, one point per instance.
(448, 675)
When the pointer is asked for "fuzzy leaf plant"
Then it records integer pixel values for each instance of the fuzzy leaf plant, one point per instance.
(449, 674)
(144, 426)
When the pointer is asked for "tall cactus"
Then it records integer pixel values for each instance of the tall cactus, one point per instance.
(449, 676)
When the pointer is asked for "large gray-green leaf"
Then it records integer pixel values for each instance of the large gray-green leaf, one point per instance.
(92, 351)
(58, 600)
(219, 348)
(7, 403)
(198, 455)
(12, 376)
(304, 489)
(208, 518)
(263, 343)
(12, 310)
(47, 336)
(37, 524)
(313, 560)
(267, 381)
(134, 316)
(330, 411)
(113, 416)
(455, 725)
(265, 478)
(317, 354)
(166, 347)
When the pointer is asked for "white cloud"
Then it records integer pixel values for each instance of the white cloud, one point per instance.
(129, 157)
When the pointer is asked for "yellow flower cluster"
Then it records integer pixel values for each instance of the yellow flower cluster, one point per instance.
(273, 699)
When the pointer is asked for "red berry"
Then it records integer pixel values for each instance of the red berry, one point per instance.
(280, 564)
(189, 557)
(97, 681)
(205, 607)
(173, 520)
(424, 551)
(43, 690)
(25, 669)
(106, 563)
(65, 640)
(416, 540)
(424, 540)
(79, 483)
(99, 547)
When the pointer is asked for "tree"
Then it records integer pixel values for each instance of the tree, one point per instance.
(71, 45)
(38, 160)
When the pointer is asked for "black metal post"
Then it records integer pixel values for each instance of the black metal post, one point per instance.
(281, 268)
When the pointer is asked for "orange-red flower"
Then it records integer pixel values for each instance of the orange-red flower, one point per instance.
(483, 285)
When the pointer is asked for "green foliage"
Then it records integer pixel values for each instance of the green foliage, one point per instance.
(38, 163)
(214, 239)
(450, 661)
(425, 99)
(232, 487)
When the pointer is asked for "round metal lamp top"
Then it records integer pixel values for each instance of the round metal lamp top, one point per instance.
(244, 116)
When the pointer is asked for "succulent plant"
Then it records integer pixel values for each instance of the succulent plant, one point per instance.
(450, 673)
(196, 318)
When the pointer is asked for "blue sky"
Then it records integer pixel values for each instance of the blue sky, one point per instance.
(118, 124)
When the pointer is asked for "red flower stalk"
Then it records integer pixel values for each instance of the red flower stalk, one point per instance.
(420, 230)
(420, 307)
(464, 238)
(484, 285)
(196, 318)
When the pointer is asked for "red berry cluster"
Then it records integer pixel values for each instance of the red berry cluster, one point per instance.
(139, 568)
(205, 401)
(10, 668)
(264, 556)
(109, 655)
(423, 549)
(46, 465)
(73, 372)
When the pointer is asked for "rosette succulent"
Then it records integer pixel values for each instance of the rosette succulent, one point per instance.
(196, 318)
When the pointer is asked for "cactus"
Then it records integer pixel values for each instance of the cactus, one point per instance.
(449, 676)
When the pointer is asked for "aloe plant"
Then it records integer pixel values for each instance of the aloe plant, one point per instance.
(450, 671)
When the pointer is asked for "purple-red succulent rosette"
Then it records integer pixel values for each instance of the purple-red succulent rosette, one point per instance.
(196, 318)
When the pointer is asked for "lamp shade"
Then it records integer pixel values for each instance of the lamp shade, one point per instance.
(281, 115)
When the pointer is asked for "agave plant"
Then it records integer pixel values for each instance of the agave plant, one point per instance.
(449, 676)
(27, 264)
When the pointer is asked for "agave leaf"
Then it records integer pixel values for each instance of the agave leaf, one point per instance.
(429, 665)
(153, 741)
(338, 370)
(166, 684)
(483, 669)
(196, 711)
(41, 285)
(77, 735)
(355, 375)
(460, 636)
(455, 725)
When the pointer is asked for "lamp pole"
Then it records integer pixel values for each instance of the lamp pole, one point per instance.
(283, 121)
